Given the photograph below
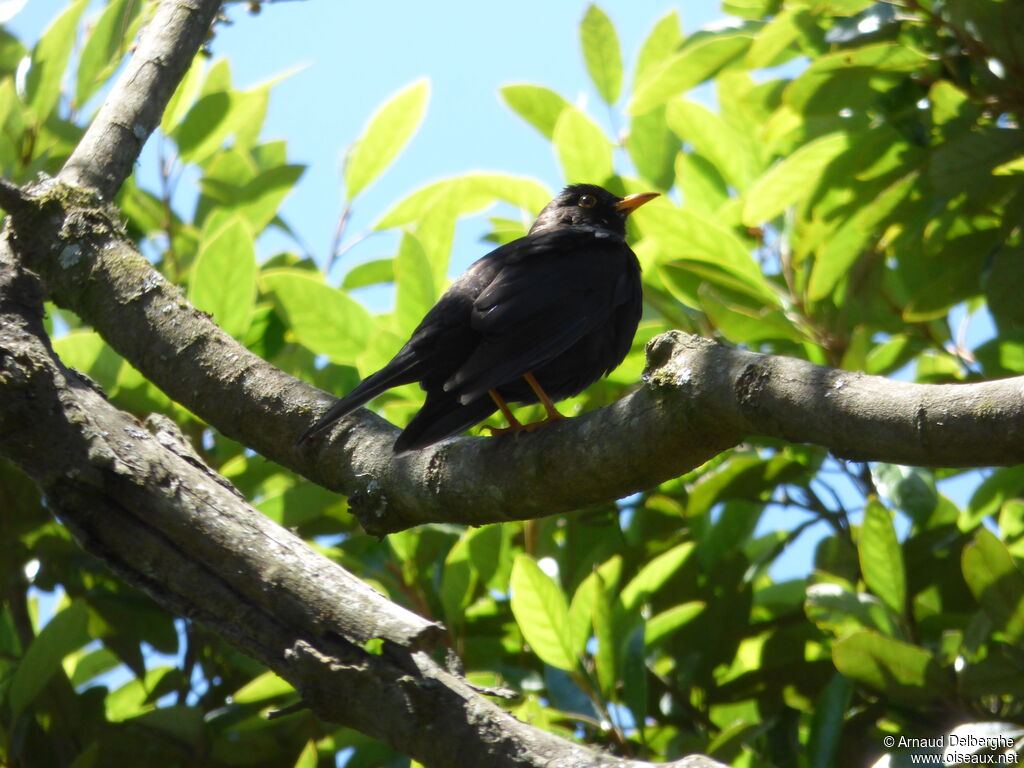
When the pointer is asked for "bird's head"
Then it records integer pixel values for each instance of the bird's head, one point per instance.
(588, 205)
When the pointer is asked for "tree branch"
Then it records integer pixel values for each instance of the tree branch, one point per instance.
(699, 398)
(147, 505)
(104, 157)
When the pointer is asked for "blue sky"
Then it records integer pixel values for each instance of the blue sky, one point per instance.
(355, 55)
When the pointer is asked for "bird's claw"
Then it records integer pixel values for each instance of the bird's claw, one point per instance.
(518, 427)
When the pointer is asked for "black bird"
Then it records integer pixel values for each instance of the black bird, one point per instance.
(535, 320)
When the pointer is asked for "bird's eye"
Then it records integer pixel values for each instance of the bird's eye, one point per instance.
(587, 201)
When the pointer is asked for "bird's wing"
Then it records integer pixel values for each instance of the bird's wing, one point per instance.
(549, 293)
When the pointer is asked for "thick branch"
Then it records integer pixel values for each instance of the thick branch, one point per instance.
(165, 522)
(104, 157)
(148, 505)
(699, 398)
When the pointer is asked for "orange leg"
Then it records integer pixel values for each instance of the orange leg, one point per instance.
(514, 425)
(549, 407)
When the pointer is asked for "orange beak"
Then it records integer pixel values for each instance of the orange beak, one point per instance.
(631, 202)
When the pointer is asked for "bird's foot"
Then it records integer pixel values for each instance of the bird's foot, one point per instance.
(517, 428)
(551, 419)
(514, 429)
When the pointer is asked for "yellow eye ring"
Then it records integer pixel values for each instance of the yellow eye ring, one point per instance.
(587, 201)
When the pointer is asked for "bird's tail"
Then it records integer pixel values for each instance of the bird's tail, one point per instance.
(395, 373)
(440, 417)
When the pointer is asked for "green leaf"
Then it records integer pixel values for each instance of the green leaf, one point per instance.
(704, 190)
(263, 195)
(385, 136)
(601, 53)
(106, 44)
(308, 757)
(11, 50)
(844, 246)
(775, 43)
(714, 139)
(205, 127)
(134, 698)
(488, 551)
(1003, 283)
(604, 631)
(261, 688)
(468, 194)
(323, 319)
(50, 59)
(911, 489)
(66, 632)
(370, 273)
(1004, 483)
(689, 67)
(662, 625)
(634, 675)
(91, 665)
(184, 95)
(458, 583)
(841, 612)
(685, 236)
(537, 105)
(88, 757)
(828, 721)
(996, 583)
(852, 79)
(881, 558)
(791, 179)
(964, 163)
(414, 276)
(653, 148)
(581, 611)
(540, 610)
(654, 574)
(223, 279)
(86, 351)
(582, 148)
(899, 670)
(661, 43)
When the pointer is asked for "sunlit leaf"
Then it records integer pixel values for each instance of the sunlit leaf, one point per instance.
(843, 248)
(370, 273)
(50, 59)
(654, 574)
(468, 194)
(791, 179)
(322, 318)
(881, 558)
(540, 609)
(601, 53)
(582, 148)
(184, 95)
(689, 67)
(107, 42)
(685, 235)
(385, 136)
(899, 670)
(537, 105)
(64, 633)
(996, 582)
(223, 279)
(851, 79)
(661, 43)
(714, 139)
